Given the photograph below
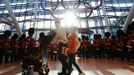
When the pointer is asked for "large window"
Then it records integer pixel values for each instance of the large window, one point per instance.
(31, 14)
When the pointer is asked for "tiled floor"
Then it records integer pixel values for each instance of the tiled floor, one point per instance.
(89, 66)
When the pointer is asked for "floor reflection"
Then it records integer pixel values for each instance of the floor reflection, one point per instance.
(54, 72)
(96, 72)
(121, 72)
(89, 66)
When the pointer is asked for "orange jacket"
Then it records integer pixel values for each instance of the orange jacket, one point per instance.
(85, 43)
(73, 44)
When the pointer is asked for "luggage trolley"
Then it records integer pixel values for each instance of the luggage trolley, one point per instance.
(34, 65)
(34, 62)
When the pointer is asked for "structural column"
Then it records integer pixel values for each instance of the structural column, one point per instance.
(129, 18)
(105, 17)
(10, 12)
(35, 13)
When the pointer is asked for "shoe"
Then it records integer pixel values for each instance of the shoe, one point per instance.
(82, 73)
(61, 73)
(71, 70)
(69, 73)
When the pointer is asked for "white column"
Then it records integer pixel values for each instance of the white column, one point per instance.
(35, 13)
(10, 12)
(129, 18)
(105, 17)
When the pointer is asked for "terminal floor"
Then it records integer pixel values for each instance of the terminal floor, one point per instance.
(89, 66)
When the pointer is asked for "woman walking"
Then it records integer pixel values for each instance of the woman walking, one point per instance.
(73, 45)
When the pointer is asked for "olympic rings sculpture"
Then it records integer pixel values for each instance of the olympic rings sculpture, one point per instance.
(88, 11)
(95, 7)
(88, 8)
(75, 5)
(44, 3)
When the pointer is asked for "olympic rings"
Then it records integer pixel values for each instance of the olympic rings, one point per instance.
(58, 17)
(95, 7)
(54, 6)
(87, 7)
(78, 4)
(66, 6)
(52, 14)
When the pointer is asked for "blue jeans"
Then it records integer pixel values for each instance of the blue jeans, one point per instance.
(45, 55)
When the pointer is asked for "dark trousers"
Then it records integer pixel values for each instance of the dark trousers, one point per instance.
(128, 54)
(53, 55)
(8, 55)
(14, 57)
(63, 59)
(1, 56)
(109, 53)
(71, 58)
(97, 53)
(85, 53)
(121, 54)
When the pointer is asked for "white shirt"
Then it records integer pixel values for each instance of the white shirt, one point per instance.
(60, 36)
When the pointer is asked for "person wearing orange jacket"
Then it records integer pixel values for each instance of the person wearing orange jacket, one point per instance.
(1, 49)
(73, 45)
(108, 45)
(14, 48)
(97, 43)
(85, 47)
(6, 45)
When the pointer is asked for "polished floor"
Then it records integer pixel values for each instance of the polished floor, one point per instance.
(89, 66)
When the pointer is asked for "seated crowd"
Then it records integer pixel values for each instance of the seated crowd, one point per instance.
(17, 48)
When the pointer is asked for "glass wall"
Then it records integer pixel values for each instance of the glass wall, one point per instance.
(97, 15)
